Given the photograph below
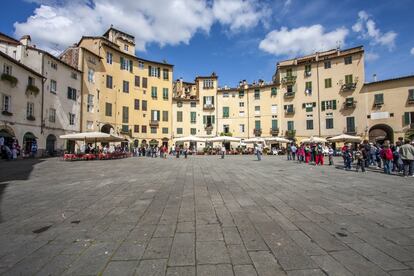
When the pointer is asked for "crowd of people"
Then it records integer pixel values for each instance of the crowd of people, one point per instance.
(395, 158)
(10, 149)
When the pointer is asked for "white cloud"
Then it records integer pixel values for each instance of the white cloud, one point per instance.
(412, 51)
(240, 14)
(302, 41)
(370, 56)
(55, 24)
(367, 28)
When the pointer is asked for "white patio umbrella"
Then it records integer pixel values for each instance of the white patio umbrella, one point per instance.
(277, 139)
(224, 139)
(314, 139)
(190, 139)
(92, 137)
(345, 138)
(254, 140)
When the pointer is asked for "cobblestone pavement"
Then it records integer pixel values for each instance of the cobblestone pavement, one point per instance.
(202, 216)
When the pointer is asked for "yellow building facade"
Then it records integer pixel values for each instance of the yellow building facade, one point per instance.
(122, 93)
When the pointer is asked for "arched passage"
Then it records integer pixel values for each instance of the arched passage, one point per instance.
(29, 143)
(381, 132)
(51, 144)
(107, 128)
(8, 135)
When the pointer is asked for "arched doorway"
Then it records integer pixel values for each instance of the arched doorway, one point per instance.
(51, 144)
(136, 143)
(7, 134)
(107, 128)
(153, 143)
(165, 142)
(380, 133)
(29, 142)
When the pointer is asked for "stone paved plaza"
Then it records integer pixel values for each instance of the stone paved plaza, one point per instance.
(202, 216)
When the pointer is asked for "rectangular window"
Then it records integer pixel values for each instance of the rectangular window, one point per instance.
(125, 86)
(289, 72)
(379, 99)
(165, 74)
(165, 116)
(208, 83)
(241, 104)
(256, 94)
(6, 104)
(329, 123)
(144, 105)
(411, 94)
(31, 81)
(327, 64)
(155, 115)
(144, 129)
(288, 108)
(136, 128)
(108, 109)
(91, 76)
(165, 93)
(273, 91)
(226, 128)
(241, 93)
(193, 131)
(52, 115)
(289, 89)
(109, 82)
(328, 83)
(308, 87)
(241, 128)
(7, 69)
(408, 118)
(90, 103)
(124, 128)
(154, 92)
(126, 64)
(225, 94)
(72, 93)
(350, 124)
(257, 124)
(136, 104)
(89, 125)
(348, 60)
(144, 82)
(257, 110)
(137, 81)
(179, 116)
(165, 130)
(348, 79)
(153, 71)
(71, 119)
(291, 125)
(179, 130)
(153, 130)
(274, 125)
(309, 124)
(193, 104)
(30, 109)
(328, 105)
(241, 113)
(126, 47)
(208, 101)
(308, 69)
(140, 65)
(226, 111)
(53, 65)
(109, 57)
(193, 117)
(125, 114)
(274, 109)
(53, 86)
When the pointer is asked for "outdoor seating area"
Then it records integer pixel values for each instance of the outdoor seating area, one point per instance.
(92, 156)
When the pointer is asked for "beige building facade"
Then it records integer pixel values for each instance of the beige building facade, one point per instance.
(123, 94)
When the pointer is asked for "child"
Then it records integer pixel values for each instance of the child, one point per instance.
(359, 155)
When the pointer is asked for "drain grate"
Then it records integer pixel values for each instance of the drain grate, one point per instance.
(42, 229)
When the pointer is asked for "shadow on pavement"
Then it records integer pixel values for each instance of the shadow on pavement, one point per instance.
(14, 170)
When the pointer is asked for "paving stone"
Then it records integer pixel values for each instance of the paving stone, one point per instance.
(244, 270)
(212, 252)
(238, 254)
(265, 264)
(308, 246)
(232, 236)
(130, 250)
(215, 270)
(120, 268)
(357, 264)
(181, 271)
(158, 248)
(402, 273)
(306, 272)
(152, 268)
(185, 227)
(209, 232)
(165, 230)
(331, 266)
(182, 251)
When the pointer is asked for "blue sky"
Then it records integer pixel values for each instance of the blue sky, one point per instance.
(237, 39)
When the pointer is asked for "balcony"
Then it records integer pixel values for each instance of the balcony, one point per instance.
(31, 118)
(378, 103)
(349, 104)
(289, 111)
(208, 127)
(32, 88)
(274, 131)
(9, 78)
(257, 131)
(348, 87)
(308, 74)
(154, 123)
(290, 133)
(208, 107)
(289, 95)
(411, 100)
(289, 79)
(6, 113)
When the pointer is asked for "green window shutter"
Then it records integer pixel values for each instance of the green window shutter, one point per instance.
(406, 118)
(204, 119)
(204, 100)
(121, 63)
(273, 91)
(213, 119)
(131, 66)
(212, 100)
(149, 70)
(334, 104)
(274, 124)
(303, 105)
(226, 111)
(323, 106)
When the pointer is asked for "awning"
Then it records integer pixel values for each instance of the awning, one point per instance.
(93, 137)
(277, 140)
(190, 139)
(346, 138)
(224, 139)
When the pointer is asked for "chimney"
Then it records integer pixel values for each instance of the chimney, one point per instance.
(26, 40)
(374, 76)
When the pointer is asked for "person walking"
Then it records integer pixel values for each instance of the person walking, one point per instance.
(223, 151)
(319, 155)
(259, 150)
(347, 155)
(360, 156)
(387, 157)
(330, 155)
(406, 152)
(307, 154)
(185, 152)
(177, 151)
(293, 149)
(289, 152)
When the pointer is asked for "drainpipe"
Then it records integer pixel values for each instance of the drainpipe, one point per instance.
(248, 112)
(42, 122)
(318, 105)
(81, 93)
